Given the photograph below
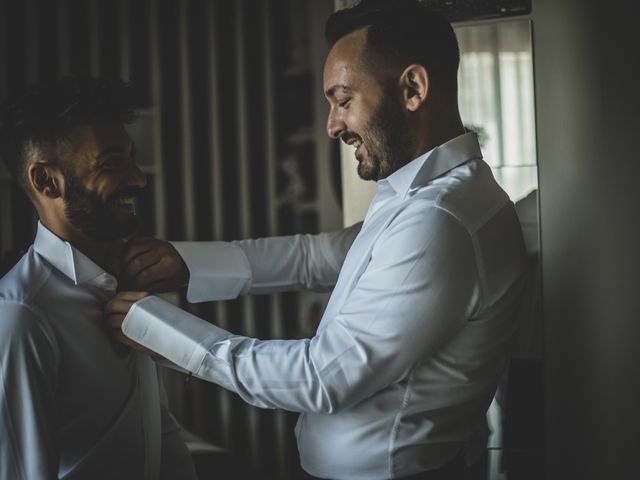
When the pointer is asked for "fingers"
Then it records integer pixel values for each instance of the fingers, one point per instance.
(143, 261)
(117, 310)
(149, 278)
(141, 254)
(153, 265)
(122, 302)
(131, 296)
(135, 247)
(120, 337)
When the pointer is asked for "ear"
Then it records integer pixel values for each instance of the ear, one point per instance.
(45, 180)
(415, 86)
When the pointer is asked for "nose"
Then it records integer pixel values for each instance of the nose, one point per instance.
(137, 178)
(335, 125)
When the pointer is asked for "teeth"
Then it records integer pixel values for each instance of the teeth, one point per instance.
(128, 201)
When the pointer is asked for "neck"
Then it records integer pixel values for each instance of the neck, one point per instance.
(437, 129)
(98, 251)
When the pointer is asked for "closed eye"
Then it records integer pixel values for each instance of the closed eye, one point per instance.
(112, 163)
(344, 103)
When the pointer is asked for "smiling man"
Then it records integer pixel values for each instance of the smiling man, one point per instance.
(399, 375)
(72, 403)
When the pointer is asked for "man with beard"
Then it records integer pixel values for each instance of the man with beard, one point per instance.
(397, 380)
(74, 404)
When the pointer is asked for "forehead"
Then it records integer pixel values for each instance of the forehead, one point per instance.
(94, 138)
(344, 66)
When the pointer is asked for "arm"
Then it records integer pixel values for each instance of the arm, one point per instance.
(225, 270)
(28, 375)
(220, 270)
(418, 289)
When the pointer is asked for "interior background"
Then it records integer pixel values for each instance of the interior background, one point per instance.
(232, 139)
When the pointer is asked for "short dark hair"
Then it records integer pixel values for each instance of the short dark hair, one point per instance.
(35, 124)
(399, 33)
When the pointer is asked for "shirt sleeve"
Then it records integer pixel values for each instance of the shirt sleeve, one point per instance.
(221, 270)
(29, 360)
(420, 286)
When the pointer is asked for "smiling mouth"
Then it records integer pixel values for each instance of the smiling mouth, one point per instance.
(126, 204)
(358, 144)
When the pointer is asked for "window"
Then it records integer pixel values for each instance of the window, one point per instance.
(497, 99)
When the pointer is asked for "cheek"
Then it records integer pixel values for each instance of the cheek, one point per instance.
(359, 119)
(95, 187)
(354, 121)
(104, 185)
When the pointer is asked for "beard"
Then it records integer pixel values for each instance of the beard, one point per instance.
(386, 138)
(94, 216)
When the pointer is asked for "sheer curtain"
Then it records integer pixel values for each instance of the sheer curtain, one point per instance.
(496, 99)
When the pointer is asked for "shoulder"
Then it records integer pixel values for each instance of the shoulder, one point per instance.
(28, 345)
(469, 193)
(421, 225)
(22, 322)
(23, 282)
(426, 213)
(461, 201)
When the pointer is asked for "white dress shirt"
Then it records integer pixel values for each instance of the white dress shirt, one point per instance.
(73, 403)
(415, 336)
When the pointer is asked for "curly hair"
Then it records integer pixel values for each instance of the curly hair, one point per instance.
(35, 125)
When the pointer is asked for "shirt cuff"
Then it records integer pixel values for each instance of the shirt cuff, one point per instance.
(170, 331)
(217, 270)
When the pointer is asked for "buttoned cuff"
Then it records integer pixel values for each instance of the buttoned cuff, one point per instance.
(217, 270)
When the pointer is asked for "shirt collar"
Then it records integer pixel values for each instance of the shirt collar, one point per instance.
(65, 258)
(434, 163)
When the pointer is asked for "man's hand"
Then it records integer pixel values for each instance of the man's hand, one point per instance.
(116, 310)
(152, 265)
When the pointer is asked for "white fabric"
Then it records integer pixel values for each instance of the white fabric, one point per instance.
(73, 403)
(410, 348)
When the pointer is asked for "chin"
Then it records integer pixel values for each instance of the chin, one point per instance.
(367, 174)
(367, 170)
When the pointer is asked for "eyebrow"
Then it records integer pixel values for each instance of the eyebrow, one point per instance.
(331, 91)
